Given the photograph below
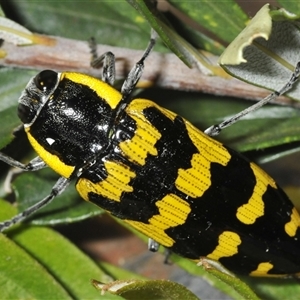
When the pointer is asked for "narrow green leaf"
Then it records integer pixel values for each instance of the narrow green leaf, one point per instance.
(220, 284)
(185, 51)
(216, 16)
(274, 288)
(63, 260)
(8, 116)
(217, 270)
(1, 12)
(146, 289)
(7, 210)
(22, 277)
(290, 5)
(107, 22)
(12, 83)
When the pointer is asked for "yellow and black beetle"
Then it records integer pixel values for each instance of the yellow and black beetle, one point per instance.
(157, 172)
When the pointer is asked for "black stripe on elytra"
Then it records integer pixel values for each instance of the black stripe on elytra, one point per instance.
(215, 211)
(156, 178)
(271, 242)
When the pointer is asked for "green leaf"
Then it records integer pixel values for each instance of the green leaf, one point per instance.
(174, 42)
(274, 288)
(179, 46)
(192, 17)
(106, 22)
(217, 270)
(7, 210)
(39, 263)
(215, 16)
(146, 289)
(12, 83)
(67, 208)
(1, 12)
(192, 268)
(22, 277)
(293, 6)
(71, 268)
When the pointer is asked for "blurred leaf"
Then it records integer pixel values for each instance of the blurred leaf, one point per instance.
(12, 83)
(294, 194)
(107, 22)
(274, 288)
(179, 46)
(216, 16)
(173, 41)
(71, 268)
(7, 210)
(204, 23)
(293, 6)
(232, 281)
(2, 13)
(44, 265)
(67, 208)
(22, 277)
(116, 272)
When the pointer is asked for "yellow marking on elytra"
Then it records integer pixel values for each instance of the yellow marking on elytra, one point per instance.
(292, 226)
(146, 135)
(228, 245)
(173, 211)
(262, 269)
(197, 179)
(110, 95)
(249, 212)
(112, 187)
(50, 159)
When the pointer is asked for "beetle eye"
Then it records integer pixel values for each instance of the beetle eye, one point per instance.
(45, 80)
(25, 113)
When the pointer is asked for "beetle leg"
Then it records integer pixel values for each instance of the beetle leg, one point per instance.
(107, 59)
(35, 164)
(137, 71)
(216, 129)
(57, 189)
(153, 246)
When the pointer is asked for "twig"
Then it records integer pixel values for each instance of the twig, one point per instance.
(162, 70)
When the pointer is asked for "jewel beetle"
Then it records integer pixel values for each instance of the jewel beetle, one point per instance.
(153, 169)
